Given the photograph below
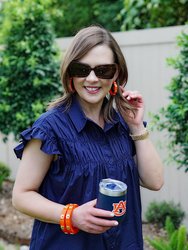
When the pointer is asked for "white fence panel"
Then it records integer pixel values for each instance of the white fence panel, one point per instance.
(146, 52)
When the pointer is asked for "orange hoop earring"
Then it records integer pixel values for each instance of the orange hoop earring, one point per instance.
(71, 86)
(114, 88)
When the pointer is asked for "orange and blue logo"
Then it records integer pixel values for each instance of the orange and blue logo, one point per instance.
(119, 208)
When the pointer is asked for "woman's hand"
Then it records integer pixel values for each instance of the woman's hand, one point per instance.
(89, 219)
(134, 121)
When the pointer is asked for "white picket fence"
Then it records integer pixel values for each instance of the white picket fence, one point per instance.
(146, 52)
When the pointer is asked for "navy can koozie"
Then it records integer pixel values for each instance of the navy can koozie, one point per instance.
(113, 197)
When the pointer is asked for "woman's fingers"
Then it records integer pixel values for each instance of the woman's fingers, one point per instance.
(103, 222)
(90, 219)
(133, 97)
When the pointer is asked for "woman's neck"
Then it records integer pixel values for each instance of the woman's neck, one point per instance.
(93, 112)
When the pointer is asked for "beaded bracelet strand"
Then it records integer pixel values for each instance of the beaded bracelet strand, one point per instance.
(62, 219)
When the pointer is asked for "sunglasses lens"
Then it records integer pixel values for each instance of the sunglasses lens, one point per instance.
(105, 71)
(78, 70)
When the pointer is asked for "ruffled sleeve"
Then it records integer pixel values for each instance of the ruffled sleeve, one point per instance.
(49, 143)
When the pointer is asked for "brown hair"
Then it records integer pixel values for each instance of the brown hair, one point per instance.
(83, 42)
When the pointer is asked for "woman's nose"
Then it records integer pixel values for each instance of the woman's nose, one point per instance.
(92, 76)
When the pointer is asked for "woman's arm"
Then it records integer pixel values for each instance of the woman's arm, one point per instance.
(150, 167)
(149, 164)
(32, 170)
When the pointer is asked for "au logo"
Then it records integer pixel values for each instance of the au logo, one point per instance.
(119, 209)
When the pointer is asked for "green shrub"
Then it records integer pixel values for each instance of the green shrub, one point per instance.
(67, 17)
(29, 65)
(174, 240)
(145, 14)
(157, 213)
(4, 173)
(173, 118)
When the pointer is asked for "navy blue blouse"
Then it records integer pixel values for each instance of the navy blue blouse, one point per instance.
(86, 154)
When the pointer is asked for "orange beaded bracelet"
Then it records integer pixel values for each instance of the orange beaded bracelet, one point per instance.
(65, 220)
(62, 219)
(68, 218)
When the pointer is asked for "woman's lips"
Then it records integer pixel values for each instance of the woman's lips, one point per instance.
(92, 90)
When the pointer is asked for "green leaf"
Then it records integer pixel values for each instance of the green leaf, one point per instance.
(182, 236)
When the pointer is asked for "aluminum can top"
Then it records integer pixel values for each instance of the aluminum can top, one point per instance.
(111, 187)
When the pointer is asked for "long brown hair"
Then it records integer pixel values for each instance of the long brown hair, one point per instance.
(83, 42)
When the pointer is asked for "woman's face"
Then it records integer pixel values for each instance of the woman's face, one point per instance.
(92, 89)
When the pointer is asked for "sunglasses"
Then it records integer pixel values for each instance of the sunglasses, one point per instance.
(106, 71)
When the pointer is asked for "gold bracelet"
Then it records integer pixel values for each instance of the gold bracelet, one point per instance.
(142, 136)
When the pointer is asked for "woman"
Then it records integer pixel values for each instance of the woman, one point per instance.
(80, 140)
